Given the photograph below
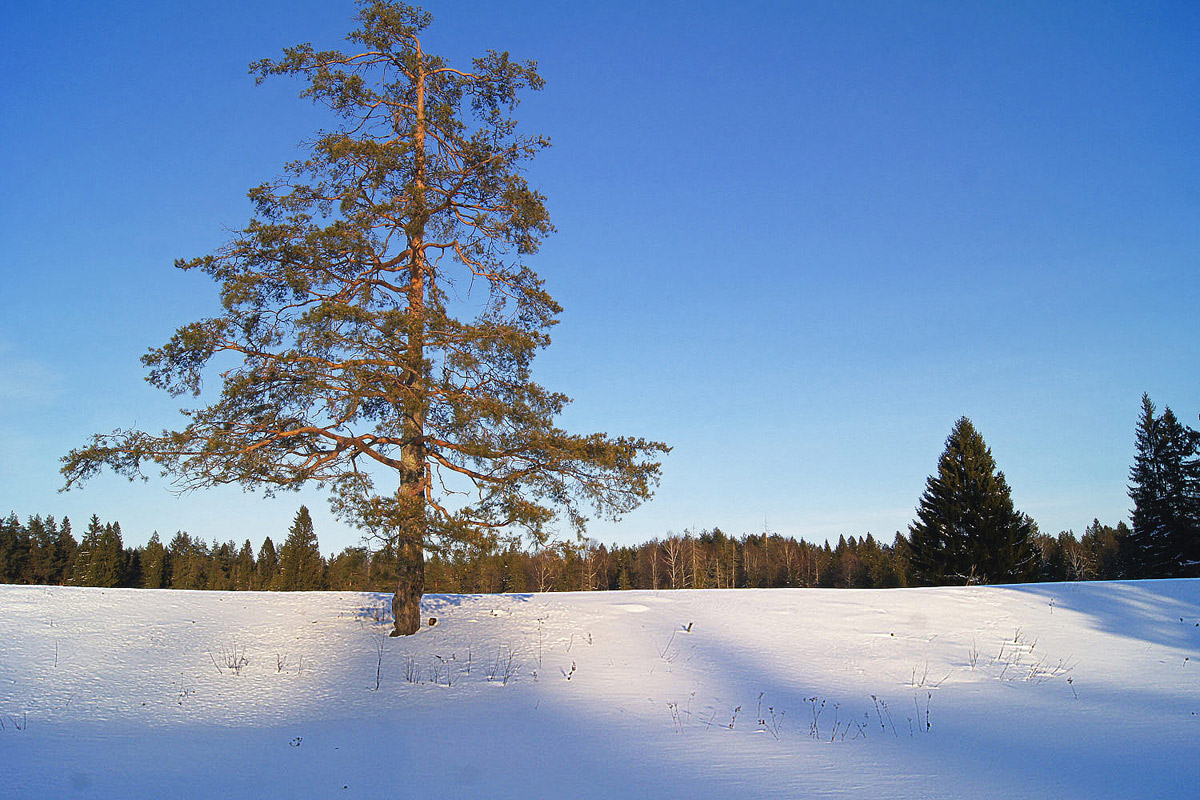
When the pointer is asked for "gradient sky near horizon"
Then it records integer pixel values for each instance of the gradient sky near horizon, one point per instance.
(796, 240)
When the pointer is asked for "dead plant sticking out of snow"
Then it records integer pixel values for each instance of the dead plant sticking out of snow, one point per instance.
(232, 659)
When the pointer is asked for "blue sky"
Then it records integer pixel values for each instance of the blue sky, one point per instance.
(796, 240)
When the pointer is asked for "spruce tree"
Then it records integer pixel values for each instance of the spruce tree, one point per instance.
(244, 568)
(1165, 489)
(101, 558)
(155, 568)
(348, 353)
(1147, 489)
(967, 530)
(222, 562)
(81, 572)
(13, 550)
(301, 567)
(267, 566)
(65, 548)
(108, 563)
(189, 561)
(348, 570)
(42, 534)
(132, 577)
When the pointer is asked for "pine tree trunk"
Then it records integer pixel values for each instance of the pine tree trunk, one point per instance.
(410, 585)
(410, 552)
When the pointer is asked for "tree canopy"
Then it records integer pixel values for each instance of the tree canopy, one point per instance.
(1165, 489)
(301, 567)
(967, 530)
(379, 320)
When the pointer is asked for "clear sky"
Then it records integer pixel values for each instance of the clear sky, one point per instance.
(797, 240)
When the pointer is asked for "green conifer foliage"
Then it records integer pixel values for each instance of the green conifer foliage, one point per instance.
(244, 568)
(189, 559)
(155, 569)
(967, 530)
(14, 550)
(109, 559)
(82, 571)
(42, 534)
(101, 558)
(267, 566)
(301, 567)
(1165, 489)
(222, 563)
(65, 548)
(349, 570)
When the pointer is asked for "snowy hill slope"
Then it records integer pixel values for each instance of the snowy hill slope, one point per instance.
(1050, 690)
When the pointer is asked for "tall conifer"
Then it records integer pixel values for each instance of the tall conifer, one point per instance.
(189, 559)
(14, 550)
(244, 567)
(267, 566)
(301, 567)
(1165, 489)
(967, 530)
(65, 547)
(42, 534)
(100, 560)
(155, 569)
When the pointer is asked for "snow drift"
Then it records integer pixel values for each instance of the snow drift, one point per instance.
(1082, 690)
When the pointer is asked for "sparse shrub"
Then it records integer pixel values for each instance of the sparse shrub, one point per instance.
(504, 667)
(233, 659)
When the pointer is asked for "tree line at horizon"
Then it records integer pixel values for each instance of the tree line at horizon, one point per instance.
(44, 551)
(966, 531)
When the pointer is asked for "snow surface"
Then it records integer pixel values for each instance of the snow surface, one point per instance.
(1083, 690)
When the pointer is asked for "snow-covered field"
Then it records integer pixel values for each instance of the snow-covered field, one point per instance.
(1050, 690)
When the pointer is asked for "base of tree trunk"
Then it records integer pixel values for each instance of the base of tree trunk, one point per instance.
(410, 585)
(406, 613)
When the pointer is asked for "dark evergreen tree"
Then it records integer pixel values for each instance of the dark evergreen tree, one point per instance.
(267, 566)
(881, 564)
(967, 530)
(81, 572)
(1165, 489)
(902, 559)
(301, 567)
(65, 547)
(101, 559)
(132, 577)
(189, 559)
(244, 568)
(14, 550)
(155, 567)
(1148, 491)
(349, 570)
(42, 534)
(108, 563)
(1107, 550)
(222, 561)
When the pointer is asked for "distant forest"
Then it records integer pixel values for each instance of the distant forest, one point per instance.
(967, 531)
(45, 551)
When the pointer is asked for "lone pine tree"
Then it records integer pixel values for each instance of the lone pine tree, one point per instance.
(382, 322)
(967, 530)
